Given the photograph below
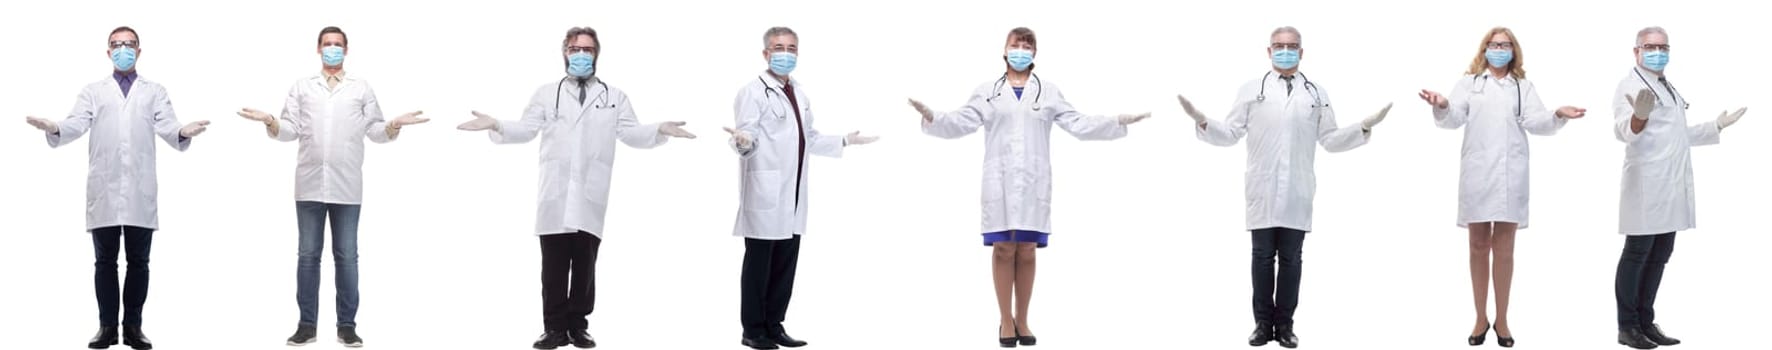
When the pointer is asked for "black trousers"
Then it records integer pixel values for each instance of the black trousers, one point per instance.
(568, 279)
(134, 241)
(1276, 295)
(767, 284)
(1639, 278)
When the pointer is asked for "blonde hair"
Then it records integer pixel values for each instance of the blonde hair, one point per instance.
(1516, 67)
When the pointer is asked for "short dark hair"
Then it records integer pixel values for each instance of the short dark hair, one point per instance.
(138, 37)
(1023, 34)
(330, 30)
(575, 32)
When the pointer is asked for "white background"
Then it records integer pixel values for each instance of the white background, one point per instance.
(1148, 251)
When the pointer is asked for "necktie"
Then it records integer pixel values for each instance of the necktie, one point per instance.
(1670, 89)
(800, 134)
(582, 84)
(1288, 80)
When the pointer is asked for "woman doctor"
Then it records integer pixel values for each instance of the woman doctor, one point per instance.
(1017, 112)
(1497, 107)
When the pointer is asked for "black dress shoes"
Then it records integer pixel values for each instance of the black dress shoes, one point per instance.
(1653, 332)
(133, 337)
(784, 340)
(759, 343)
(1264, 333)
(1634, 338)
(552, 339)
(1283, 335)
(106, 337)
(581, 339)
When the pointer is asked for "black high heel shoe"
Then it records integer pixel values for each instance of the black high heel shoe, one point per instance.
(1506, 342)
(1007, 342)
(1478, 339)
(1025, 340)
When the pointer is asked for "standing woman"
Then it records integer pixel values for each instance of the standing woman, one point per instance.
(1497, 107)
(1017, 112)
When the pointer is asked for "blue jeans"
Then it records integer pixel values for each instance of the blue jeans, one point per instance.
(311, 219)
(133, 293)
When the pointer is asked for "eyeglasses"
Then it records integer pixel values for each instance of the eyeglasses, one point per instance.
(124, 43)
(1501, 45)
(1285, 46)
(580, 49)
(1655, 47)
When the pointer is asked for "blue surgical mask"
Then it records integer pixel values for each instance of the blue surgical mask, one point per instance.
(782, 63)
(1285, 58)
(1020, 60)
(581, 64)
(332, 56)
(1655, 60)
(1499, 58)
(123, 58)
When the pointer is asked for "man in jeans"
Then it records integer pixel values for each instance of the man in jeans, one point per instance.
(331, 113)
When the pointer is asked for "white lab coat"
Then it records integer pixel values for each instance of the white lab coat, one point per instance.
(1657, 194)
(768, 208)
(121, 187)
(1017, 173)
(1493, 183)
(331, 125)
(577, 150)
(1280, 183)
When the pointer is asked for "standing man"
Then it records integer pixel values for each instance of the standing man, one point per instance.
(124, 114)
(1657, 197)
(578, 118)
(331, 113)
(773, 137)
(1285, 116)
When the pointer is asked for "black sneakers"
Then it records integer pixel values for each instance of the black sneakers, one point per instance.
(348, 337)
(304, 335)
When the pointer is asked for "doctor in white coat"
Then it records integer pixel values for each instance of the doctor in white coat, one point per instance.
(1017, 112)
(1657, 198)
(331, 113)
(1285, 116)
(579, 119)
(125, 114)
(1497, 107)
(773, 137)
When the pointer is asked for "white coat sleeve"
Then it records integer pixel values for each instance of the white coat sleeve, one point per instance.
(1621, 112)
(1537, 119)
(631, 132)
(1332, 137)
(1083, 127)
(377, 130)
(522, 130)
(166, 122)
(1705, 134)
(291, 124)
(78, 122)
(746, 114)
(1458, 106)
(1225, 133)
(964, 121)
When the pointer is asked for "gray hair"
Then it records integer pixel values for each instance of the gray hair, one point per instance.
(777, 31)
(1287, 29)
(1649, 30)
(575, 32)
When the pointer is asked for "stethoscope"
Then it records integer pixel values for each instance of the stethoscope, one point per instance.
(770, 107)
(998, 88)
(1670, 88)
(1519, 96)
(1308, 87)
(601, 102)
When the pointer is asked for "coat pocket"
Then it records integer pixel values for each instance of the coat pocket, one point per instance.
(762, 190)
